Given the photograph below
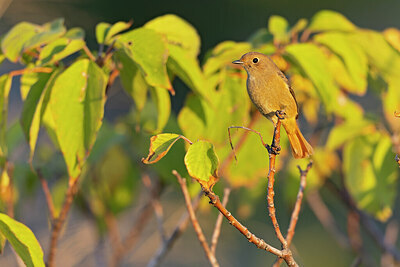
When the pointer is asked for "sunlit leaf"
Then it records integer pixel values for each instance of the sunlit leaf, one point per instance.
(160, 144)
(328, 20)
(35, 104)
(347, 131)
(47, 33)
(279, 27)
(223, 54)
(392, 36)
(59, 49)
(5, 86)
(23, 241)
(75, 33)
(188, 70)
(161, 98)
(132, 79)
(261, 37)
(13, 42)
(300, 25)
(77, 106)
(149, 50)
(313, 62)
(370, 174)
(178, 32)
(202, 162)
(105, 31)
(352, 56)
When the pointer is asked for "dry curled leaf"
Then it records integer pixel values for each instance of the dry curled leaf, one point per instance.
(160, 144)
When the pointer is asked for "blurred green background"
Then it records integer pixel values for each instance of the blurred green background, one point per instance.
(215, 21)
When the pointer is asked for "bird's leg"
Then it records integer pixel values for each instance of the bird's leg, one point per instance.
(275, 148)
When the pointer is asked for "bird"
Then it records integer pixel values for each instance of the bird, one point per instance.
(271, 93)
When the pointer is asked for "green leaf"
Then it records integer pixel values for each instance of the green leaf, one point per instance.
(160, 144)
(132, 79)
(371, 174)
(328, 20)
(35, 104)
(347, 131)
(149, 50)
(352, 56)
(313, 62)
(59, 49)
(223, 54)
(161, 98)
(279, 27)
(23, 241)
(201, 161)
(47, 32)
(75, 33)
(300, 25)
(105, 31)
(5, 86)
(77, 107)
(230, 105)
(188, 70)
(13, 42)
(178, 32)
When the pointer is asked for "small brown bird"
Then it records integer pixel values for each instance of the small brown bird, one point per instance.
(270, 91)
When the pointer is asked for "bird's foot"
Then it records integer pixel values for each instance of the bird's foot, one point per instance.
(273, 149)
(280, 114)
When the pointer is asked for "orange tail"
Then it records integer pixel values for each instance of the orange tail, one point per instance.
(300, 147)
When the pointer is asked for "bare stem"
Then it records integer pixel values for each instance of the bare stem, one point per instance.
(47, 194)
(179, 229)
(89, 53)
(195, 222)
(32, 70)
(59, 221)
(136, 229)
(218, 224)
(270, 189)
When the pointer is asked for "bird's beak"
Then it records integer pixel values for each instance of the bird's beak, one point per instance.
(237, 62)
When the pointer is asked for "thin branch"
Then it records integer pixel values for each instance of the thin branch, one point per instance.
(158, 210)
(47, 194)
(304, 37)
(59, 221)
(270, 189)
(195, 223)
(179, 229)
(297, 206)
(218, 224)
(89, 53)
(112, 228)
(241, 141)
(33, 70)
(296, 210)
(137, 228)
(391, 235)
(323, 214)
(368, 223)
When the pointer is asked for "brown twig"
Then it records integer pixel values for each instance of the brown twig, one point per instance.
(241, 141)
(195, 223)
(270, 189)
(158, 210)
(112, 228)
(323, 214)
(47, 194)
(218, 224)
(296, 210)
(179, 229)
(304, 37)
(286, 254)
(89, 53)
(59, 221)
(368, 223)
(33, 70)
(391, 234)
(137, 228)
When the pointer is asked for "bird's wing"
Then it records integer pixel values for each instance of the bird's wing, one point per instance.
(280, 73)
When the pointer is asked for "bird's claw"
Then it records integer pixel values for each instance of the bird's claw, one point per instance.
(280, 114)
(273, 149)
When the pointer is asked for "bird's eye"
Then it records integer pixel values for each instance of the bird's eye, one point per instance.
(255, 60)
